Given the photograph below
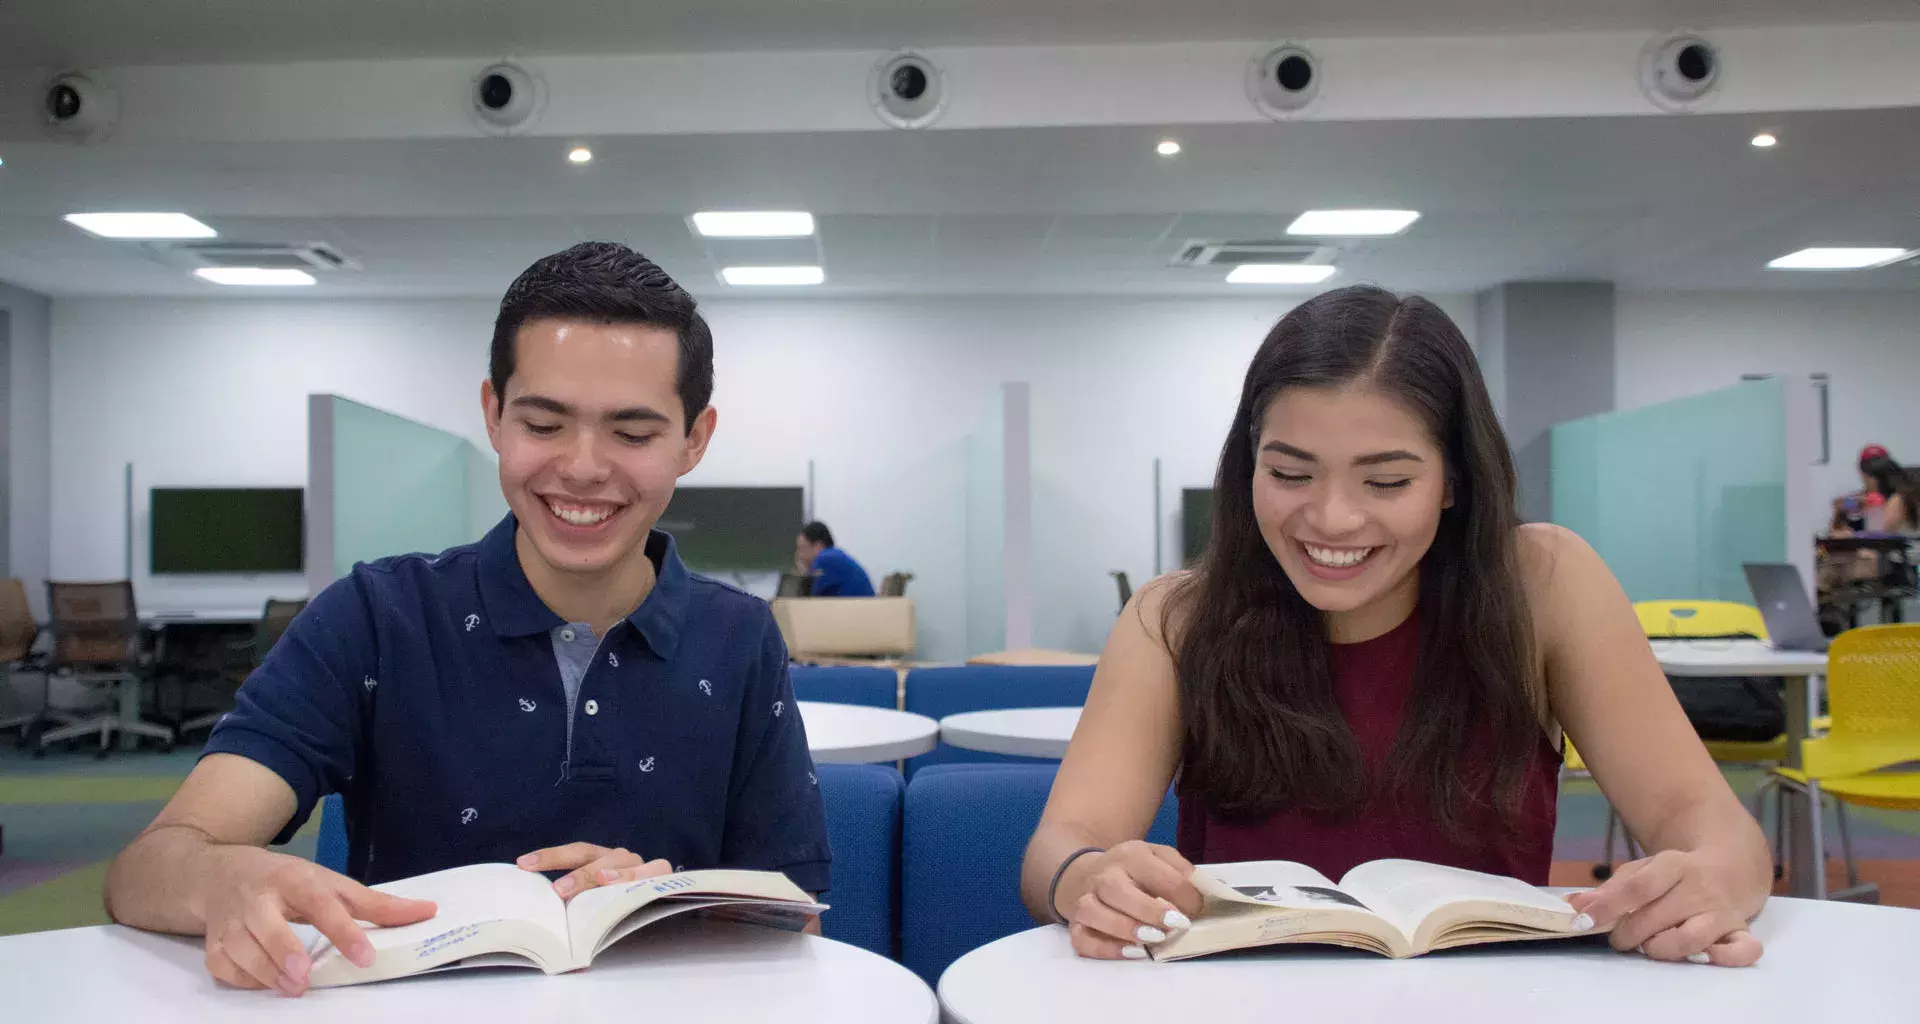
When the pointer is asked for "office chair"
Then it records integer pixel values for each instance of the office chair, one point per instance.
(1126, 587)
(274, 620)
(18, 633)
(895, 584)
(96, 634)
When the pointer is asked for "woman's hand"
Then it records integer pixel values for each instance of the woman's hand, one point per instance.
(590, 866)
(1116, 903)
(1675, 905)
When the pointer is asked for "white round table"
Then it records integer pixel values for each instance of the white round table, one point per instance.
(854, 734)
(1824, 962)
(674, 971)
(1735, 658)
(1025, 732)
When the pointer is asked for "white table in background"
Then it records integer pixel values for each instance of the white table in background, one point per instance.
(1023, 732)
(855, 734)
(1824, 961)
(1806, 865)
(704, 971)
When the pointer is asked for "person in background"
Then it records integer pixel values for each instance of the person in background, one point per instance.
(1376, 659)
(530, 698)
(834, 572)
(1887, 501)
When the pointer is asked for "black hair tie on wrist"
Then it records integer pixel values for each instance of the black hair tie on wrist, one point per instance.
(1053, 887)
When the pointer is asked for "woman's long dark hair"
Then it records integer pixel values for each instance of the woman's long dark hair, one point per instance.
(1889, 479)
(1263, 732)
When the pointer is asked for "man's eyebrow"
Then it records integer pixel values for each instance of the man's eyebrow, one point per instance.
(637, 414)
(543, 404)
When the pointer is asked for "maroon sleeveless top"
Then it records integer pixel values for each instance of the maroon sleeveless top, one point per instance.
(1372, 681)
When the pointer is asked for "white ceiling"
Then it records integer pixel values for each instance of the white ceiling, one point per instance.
(115, 32)
(1656, 203)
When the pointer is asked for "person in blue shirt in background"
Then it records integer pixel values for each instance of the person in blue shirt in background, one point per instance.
(834, 572)
(563, 694)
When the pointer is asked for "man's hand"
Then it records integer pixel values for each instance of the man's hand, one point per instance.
(247, 939)
(589, 866)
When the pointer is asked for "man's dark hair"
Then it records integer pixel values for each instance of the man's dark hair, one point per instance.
(609, 283)
(817, 533)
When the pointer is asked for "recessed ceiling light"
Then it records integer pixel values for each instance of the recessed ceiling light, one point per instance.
(1168, 147)
(140, 225)
(1280, 273)
(773, 275)
(1337, 223)
(1836, 258)
(1765, 140)
(754, 223)
(580, 155)
(254, 276)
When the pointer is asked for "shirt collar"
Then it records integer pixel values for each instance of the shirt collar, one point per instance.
(514, 609)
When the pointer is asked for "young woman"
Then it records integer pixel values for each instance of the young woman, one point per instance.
(1376, 659)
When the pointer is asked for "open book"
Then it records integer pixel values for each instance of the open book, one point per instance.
(1400, 908)
(497, 915)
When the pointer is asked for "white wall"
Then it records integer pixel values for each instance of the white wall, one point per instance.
(27, 432)
(880, 394)
(1670, 344)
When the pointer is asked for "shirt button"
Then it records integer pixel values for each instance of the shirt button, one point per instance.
(567, 635)
(593, 707)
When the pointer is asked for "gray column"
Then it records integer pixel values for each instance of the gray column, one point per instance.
(1547, 351)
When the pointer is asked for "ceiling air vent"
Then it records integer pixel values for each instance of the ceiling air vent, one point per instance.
(1202, 253)
(272, 255)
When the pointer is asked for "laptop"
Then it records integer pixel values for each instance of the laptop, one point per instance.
(1782, 600)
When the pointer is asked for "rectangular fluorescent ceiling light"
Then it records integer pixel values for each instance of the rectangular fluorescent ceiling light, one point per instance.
(1837, 259)
(140, 225)
(254, 276)
(773, 275)
(754, 223)
(1352, 223)
(1279, 273)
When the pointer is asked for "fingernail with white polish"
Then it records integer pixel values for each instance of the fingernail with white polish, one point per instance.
(1699, 958)
(1148, 933)
(1133, 952)
(1176, 921)
(1642, 950)
(1582, 923)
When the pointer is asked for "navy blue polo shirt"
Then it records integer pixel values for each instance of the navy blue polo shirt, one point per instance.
(836, 574)
(428, 690)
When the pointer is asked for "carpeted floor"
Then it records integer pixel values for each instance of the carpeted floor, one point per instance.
(66, 815)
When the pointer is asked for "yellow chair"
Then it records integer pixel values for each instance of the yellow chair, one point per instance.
(1697, 620)
(1873, 693)
(1574, 765)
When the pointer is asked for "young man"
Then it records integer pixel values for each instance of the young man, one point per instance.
(559, 694)
(834, 572)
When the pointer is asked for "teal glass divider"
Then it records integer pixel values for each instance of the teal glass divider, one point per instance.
(401, 486)
(1677, 496)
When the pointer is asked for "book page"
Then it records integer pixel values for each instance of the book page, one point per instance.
(1408, 892)
(593, 915)
(1270, 883)
(468, 898)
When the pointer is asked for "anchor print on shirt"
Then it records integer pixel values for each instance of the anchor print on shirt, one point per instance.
(472, 621)
(526, 705)
(467, 816)
(706, 687)
(369, 683)
(613, 660)
(647, 765)
(779, 706)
